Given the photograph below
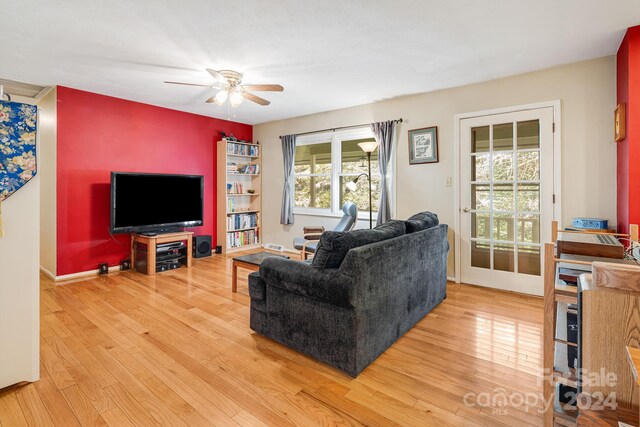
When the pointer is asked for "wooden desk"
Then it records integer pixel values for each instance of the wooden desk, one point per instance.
(153, 241)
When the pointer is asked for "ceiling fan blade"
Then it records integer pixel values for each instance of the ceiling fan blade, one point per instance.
(265, 88)
(210, 100)
(216, 75)
(188, 84)
(256, 99)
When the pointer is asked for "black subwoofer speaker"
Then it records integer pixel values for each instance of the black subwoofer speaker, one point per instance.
(201, 246)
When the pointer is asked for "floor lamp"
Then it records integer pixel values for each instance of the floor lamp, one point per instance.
(367, 147)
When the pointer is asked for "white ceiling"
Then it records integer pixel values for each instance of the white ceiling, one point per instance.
(327, 54)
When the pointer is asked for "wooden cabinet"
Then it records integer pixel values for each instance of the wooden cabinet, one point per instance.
(152, 242)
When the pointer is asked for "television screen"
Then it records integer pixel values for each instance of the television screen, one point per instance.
(143, 202)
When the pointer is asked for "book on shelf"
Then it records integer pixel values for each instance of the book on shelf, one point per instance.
(243, 168)
(243, 149)
(235, 188)
(242, 221)
(243, 238)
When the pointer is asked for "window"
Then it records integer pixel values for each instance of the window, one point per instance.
(325, 163)
(313, 175)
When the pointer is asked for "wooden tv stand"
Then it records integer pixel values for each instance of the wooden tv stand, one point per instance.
(152, 241)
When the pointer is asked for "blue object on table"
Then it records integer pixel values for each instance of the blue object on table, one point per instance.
(591, 223)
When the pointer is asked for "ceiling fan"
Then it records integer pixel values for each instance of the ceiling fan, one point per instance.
(229, 83)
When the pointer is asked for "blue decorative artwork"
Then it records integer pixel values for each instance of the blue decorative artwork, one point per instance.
(17, 146)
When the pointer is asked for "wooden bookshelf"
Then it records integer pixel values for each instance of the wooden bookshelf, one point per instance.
(238, 200)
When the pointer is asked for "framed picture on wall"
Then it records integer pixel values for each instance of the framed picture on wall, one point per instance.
(423, 145)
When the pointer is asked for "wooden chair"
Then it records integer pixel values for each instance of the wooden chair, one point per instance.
(309, 242)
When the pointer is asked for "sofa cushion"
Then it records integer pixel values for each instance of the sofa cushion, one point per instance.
(334, 245)
(421, 221)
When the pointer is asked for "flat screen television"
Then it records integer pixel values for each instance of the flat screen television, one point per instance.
(153, 203)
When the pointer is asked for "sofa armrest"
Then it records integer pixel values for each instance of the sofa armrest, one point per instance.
(257, 287)
(328, 285)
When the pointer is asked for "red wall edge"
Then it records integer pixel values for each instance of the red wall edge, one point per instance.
(622, 83)
(98, 134)
(633, 124)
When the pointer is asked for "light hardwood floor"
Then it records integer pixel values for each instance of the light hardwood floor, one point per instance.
(176, 350)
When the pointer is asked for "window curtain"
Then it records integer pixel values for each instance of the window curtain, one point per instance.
(384, 132)
(288, 155)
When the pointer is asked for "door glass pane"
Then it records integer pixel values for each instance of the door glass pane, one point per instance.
(480, 199)
(503, 257)
(480, 139)
(313, 191)
(528, 165)
(503, 197)
(503, 227)
(503, 167)
(481, 254)
(480, 225)
(528, 197)
(528, 228)
(528, 134)
(314, 158)
(529, 260)
(480, 167)
(503, 137)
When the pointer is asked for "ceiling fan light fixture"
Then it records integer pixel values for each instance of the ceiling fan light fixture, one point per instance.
(235, 98)
(221, 97)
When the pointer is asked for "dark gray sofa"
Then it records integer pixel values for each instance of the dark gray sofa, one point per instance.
(356, 299)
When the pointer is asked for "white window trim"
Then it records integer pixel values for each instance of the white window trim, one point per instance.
(336, 138)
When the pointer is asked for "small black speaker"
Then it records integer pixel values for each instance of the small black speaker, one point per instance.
(201, 246)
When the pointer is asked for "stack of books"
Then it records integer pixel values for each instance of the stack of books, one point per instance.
(241, 221)
(243, 150)
(235, 188)
(242, 238)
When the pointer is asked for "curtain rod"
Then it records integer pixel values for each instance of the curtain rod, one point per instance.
(338, 128)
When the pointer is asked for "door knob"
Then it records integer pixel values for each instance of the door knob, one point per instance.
(466, 210)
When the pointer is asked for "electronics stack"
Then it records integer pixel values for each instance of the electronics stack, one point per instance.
(169, 256)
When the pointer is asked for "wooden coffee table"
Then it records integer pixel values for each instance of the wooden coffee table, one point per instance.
(250, 262)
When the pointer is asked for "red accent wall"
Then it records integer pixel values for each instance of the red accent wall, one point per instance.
(628, 156)
(98, 134)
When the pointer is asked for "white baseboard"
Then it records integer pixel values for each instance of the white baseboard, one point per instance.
(78, 275)
(287, 250)
(47, 273)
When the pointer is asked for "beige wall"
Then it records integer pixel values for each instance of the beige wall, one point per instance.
(47, 172)
(587, 91)
(19, 283)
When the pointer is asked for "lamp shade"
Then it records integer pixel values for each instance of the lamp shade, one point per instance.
(221, 97)
(351, 186)
(368, 147)
(235, 98)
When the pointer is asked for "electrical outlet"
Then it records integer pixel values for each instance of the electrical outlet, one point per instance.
(103, 268)
(125, 264)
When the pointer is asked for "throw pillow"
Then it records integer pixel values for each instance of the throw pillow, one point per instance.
(334, 245)
(421, 221)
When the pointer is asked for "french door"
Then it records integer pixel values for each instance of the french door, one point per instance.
(506, 198)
